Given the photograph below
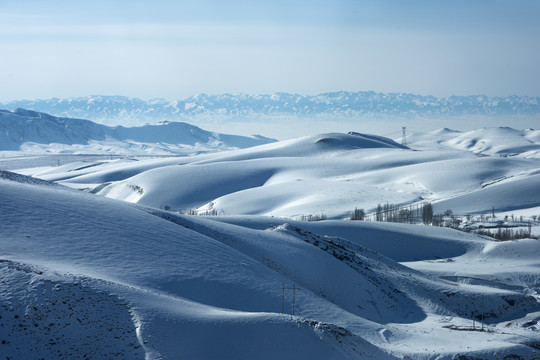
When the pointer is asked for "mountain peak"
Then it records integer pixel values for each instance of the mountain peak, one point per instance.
(116, 110)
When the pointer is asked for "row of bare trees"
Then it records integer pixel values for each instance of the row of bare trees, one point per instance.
(410, 214)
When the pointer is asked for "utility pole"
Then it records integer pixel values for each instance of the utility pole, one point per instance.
(293, 297)
(482, 312)
(283, 288)
(473, 311)
(283, 299)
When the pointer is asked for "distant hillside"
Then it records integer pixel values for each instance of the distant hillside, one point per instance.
(31, 130)
(126, 110)
(500, 141)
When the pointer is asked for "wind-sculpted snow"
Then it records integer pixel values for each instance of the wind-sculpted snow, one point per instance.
(506, 194)
(8, 175)
(387, 239)
(167, 281)
(67, 317)
(85, 275)
(381, 290)
(500, 141)
(367, 295)
(325, 174)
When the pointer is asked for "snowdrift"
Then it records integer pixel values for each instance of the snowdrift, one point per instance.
(499, 141)
(326, 174)
(84, 274)
(74, 264)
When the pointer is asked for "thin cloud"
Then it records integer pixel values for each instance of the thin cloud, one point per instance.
(174, 49)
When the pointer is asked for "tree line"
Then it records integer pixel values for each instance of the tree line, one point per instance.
(410, 214)
(414, 214)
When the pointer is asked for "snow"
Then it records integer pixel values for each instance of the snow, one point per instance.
(39, 133)
(500, 141)
(328, 174)
(149, 271)
(338, 105)
(86, 274)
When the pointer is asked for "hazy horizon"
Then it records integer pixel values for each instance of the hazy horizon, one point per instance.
(174, 49)
(157, 97)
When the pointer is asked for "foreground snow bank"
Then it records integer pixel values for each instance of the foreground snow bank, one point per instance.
(168, 286)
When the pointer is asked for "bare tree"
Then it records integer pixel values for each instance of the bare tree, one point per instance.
(358, 214)
(427, 213)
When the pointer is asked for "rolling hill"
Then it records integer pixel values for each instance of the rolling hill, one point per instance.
(83, 274)
(328, 174)
(119, 270)
(37, 132)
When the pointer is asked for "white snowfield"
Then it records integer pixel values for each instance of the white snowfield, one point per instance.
(328, 174)
(88, 275)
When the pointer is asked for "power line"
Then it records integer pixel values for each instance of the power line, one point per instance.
(283, 288)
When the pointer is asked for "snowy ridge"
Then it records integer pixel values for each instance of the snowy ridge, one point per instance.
(72, 270)
(500, 141)
(42, 133)
(115, 280)
(215, 287)
(55, 317)
(328, 174)
(123, 110)
(8, 175)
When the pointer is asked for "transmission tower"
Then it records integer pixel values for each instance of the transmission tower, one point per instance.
(403, 137)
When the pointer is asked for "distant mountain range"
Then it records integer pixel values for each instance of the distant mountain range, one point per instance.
(29, 130)
(116, 110)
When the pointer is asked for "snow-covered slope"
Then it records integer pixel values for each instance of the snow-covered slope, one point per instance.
(20, 126)
(86, 275)
(42, 133)
(328, 174)
(83, 275)
(124, 110)
(500, 141)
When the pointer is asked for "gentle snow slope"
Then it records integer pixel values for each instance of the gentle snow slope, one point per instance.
(165, 278)
(162, 285)
(42, 133)
(328, 174)
(500, 141)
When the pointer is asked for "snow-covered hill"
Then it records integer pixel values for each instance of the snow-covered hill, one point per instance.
(326, 174)
(83, 275)
(116, 110)
(500, 141)
(38, 132)
(128, 284)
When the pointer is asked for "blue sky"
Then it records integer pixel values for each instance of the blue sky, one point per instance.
(173, 49)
